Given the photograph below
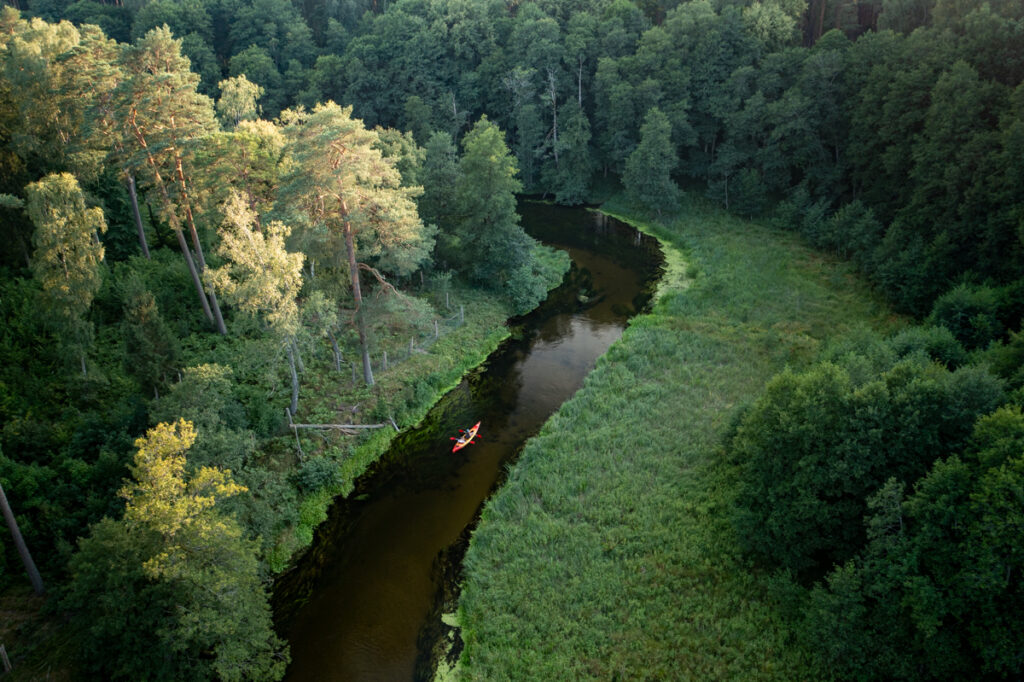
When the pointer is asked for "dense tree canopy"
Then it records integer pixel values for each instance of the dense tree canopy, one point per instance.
(184, 571)
(359, 146)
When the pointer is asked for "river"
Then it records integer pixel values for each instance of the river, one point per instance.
(363, 603)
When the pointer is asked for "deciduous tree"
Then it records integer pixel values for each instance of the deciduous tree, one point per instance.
(238, 98)
(67, 254)
(174, 578)
(261, 277)
(648, 176)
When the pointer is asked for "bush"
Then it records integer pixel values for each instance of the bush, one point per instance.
(938, 343)
(317, 474)
(854, 232)
(749, 194)
(971, 312)
(529, 284)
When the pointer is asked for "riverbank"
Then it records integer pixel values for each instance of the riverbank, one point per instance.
(608, 552)
(402, 396)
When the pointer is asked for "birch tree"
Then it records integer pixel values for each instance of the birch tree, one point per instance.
(238, 98)
(261, 278)
(67, 254)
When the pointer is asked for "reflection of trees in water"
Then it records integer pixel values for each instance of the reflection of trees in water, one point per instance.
(576, 293)
(496, 391)
(491, 393)
(601, 222)
(555, 329)
(593, 231)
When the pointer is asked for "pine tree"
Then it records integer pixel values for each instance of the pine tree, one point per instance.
(151, 350)
(347, 189)
(19, 543)
(162, 115)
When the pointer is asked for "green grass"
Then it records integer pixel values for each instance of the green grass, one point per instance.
(608, 554)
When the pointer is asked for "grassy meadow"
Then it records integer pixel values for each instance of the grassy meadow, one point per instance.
(609, 553)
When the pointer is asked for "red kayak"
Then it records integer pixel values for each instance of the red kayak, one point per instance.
(466, 438)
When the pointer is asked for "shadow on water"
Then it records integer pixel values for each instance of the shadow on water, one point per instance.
(364, 602)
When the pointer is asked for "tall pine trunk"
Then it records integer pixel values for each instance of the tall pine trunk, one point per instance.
(218, 318)
(138, 216)
(187, 254)
(357, 295)
(295, 379)
(172, 218)
(19, 543)
(337, 351)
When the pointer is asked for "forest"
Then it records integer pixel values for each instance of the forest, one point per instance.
(221, 217)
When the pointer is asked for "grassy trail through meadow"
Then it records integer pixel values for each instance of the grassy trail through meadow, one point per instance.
(608, 554)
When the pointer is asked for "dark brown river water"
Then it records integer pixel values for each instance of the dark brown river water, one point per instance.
(363, 603)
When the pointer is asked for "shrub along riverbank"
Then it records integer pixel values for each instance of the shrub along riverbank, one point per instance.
(609, 552)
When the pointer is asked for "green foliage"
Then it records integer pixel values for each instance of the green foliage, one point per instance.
(576, 161)
(204, 396)
(440, 173)
(487, 243)
(183, 579)
(318, 473)
(649, 168)
(406, 154)
(932, 594)
(971, 313)
(330, 150)
(238, 97)
(260, 276)
(603, 535)
(529, 285)
(256, 66)
(814, 447)
(151, 350)
(66, 257)
(616, 134)
(898, 150)
(937, 343)
(1007, 359)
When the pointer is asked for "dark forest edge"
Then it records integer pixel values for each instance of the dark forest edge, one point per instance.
(892, 141)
